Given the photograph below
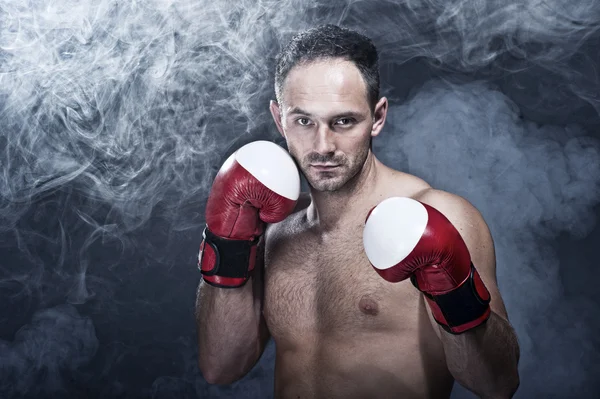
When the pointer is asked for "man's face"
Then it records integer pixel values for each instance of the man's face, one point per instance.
(326, 120)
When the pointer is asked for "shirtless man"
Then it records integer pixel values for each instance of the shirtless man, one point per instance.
(395, 307)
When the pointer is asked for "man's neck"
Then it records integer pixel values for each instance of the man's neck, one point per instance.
(331, 210)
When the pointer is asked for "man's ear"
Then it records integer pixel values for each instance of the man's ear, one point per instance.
(276, 113)
(379, 116)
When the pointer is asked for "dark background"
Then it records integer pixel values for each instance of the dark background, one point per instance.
(115, 116)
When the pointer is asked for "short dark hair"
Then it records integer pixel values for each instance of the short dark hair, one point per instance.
(330, 41)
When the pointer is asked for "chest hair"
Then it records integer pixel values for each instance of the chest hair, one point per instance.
(316, 286)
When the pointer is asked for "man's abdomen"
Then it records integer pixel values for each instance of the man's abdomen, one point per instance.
(373, 365)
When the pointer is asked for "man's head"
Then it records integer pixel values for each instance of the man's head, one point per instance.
(328, 110)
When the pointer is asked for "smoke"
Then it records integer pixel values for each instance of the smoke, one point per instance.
(56, 340)
(116, 115)
(128, 101)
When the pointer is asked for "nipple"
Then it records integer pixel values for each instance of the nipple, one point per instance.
(368, 306)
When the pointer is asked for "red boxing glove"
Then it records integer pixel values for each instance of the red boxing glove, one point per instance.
(258, 184)
(405, 238)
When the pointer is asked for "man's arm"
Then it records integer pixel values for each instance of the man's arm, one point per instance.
(232, 333)
(258, 185)
(483, 359)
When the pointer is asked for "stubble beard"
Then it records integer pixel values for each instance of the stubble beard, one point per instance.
(336, 180)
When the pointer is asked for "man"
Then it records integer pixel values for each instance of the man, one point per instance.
(398, 306)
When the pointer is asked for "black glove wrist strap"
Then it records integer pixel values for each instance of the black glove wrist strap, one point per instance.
(461, 305)
(232, 257)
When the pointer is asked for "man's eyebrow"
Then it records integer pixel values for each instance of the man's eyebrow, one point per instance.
(296, 110)
(347, 114)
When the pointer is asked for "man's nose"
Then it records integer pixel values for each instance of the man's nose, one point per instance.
(324, 140)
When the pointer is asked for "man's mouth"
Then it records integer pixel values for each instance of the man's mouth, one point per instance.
(324, 167)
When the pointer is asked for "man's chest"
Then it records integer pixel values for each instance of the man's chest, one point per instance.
(327, 286)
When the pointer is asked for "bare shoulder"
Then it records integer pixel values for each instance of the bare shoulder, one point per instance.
(450, 205)
(460, 212)
(457, 209)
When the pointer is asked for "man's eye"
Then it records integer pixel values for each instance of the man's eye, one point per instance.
(344, 121)
(303, 121)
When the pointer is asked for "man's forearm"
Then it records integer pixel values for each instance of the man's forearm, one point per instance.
(485, 359)
(230, 334)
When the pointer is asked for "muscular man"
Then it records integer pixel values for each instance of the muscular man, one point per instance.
(375, 285)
